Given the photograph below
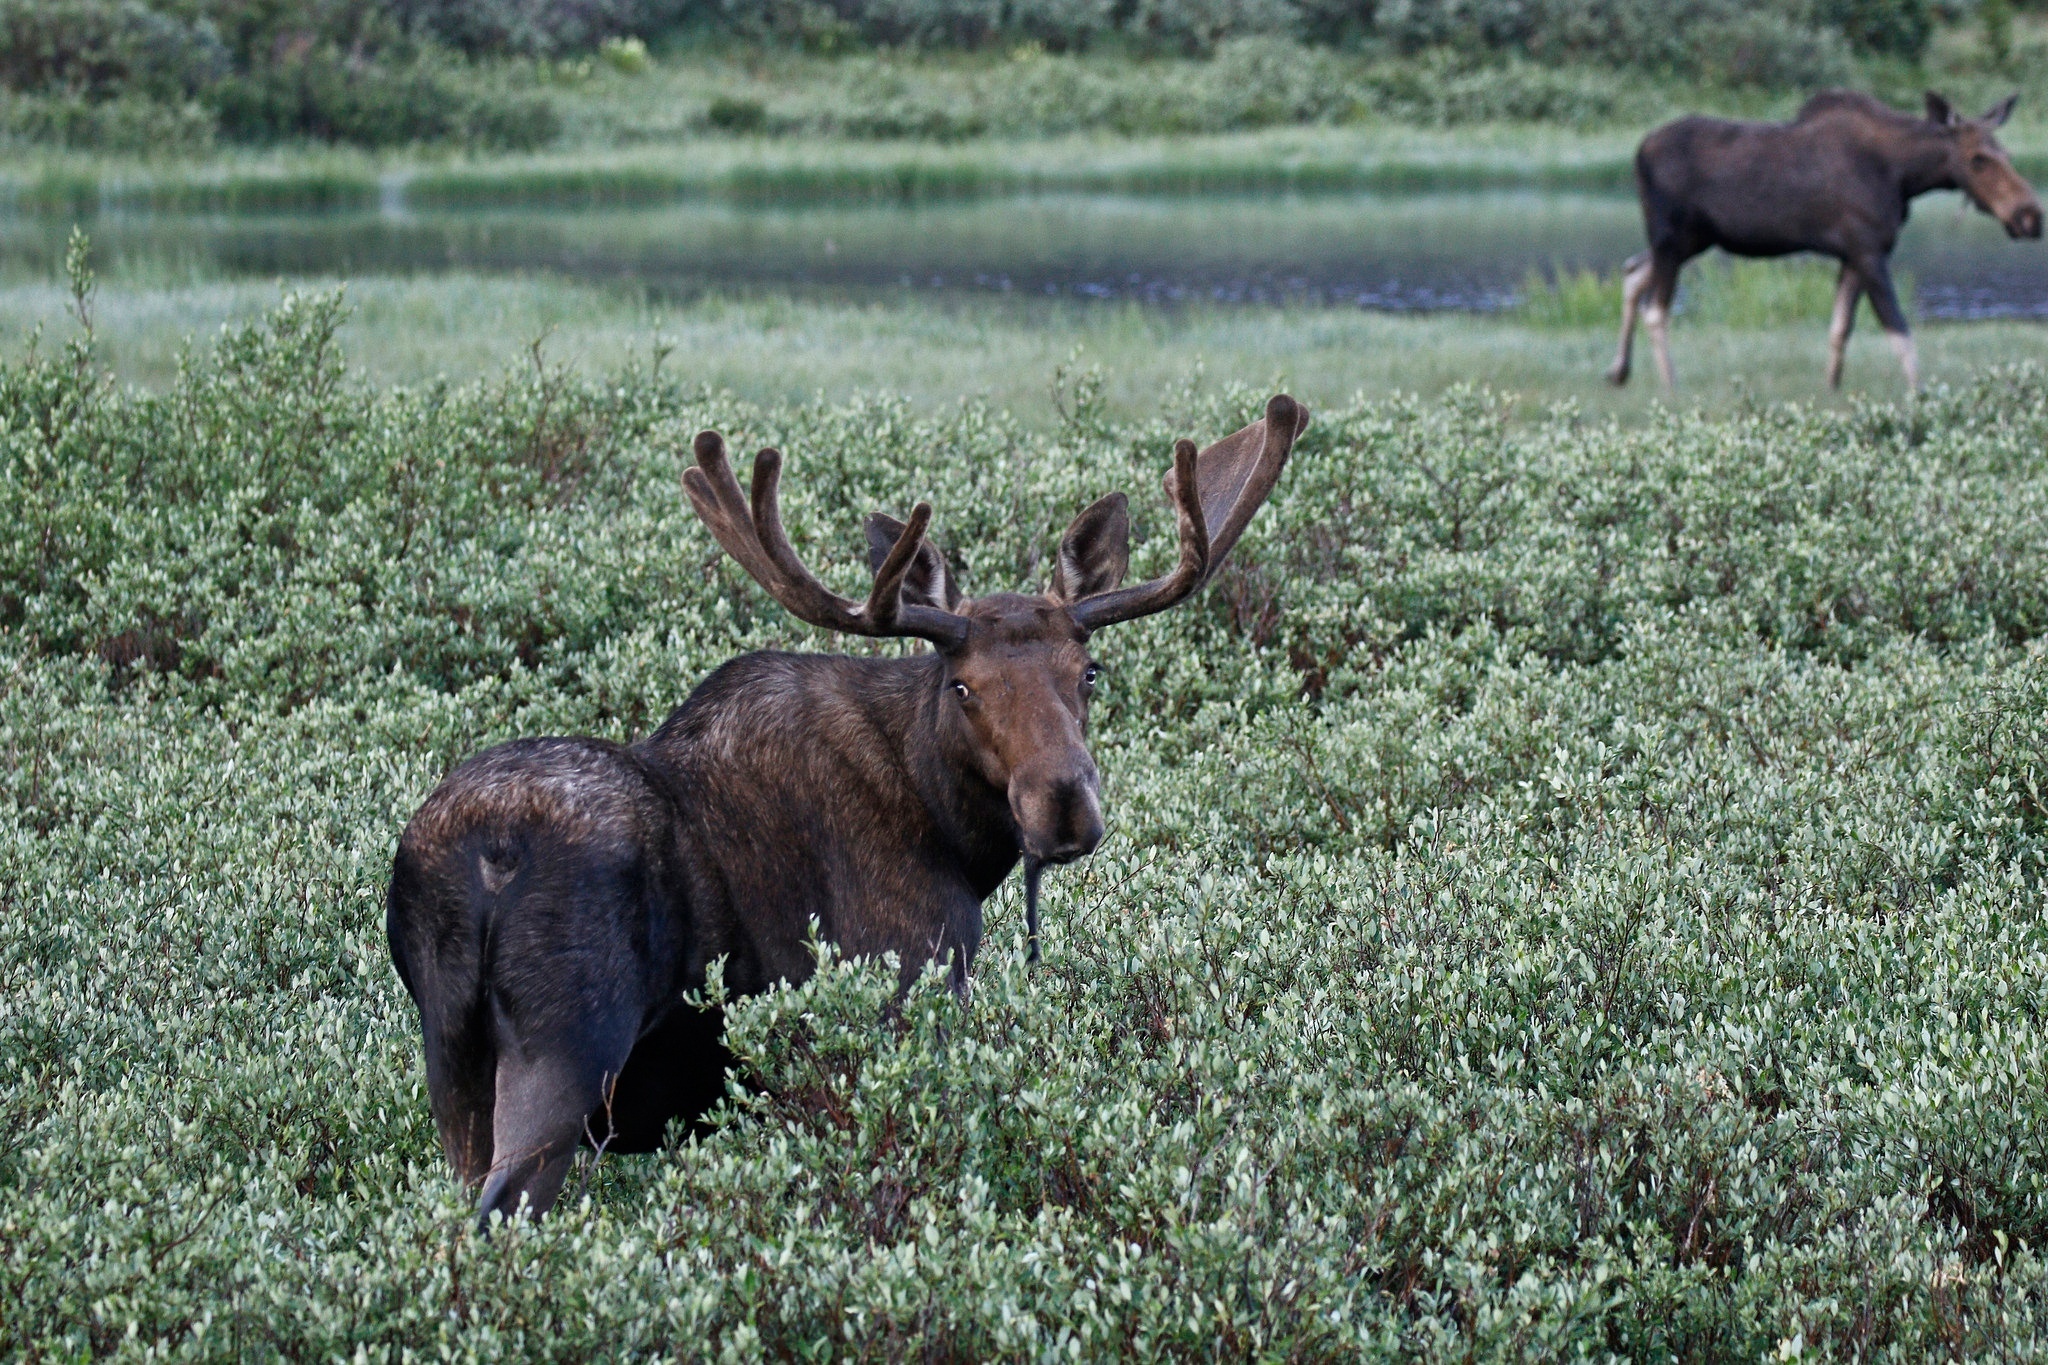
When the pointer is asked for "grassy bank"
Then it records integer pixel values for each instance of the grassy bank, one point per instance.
(754, 169)
(1755, 336)
(759, 170)
(1573, 889)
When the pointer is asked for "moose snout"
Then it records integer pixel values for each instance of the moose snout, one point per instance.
(1059, 817)
(2025, 222)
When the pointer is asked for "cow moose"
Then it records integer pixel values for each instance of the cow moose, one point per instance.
(1839, 180)
(554, 901)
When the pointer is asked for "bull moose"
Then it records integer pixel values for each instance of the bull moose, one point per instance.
(554, 901)
(1838, 180)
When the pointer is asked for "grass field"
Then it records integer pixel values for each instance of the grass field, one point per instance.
(1574, 888)
(1757, 336)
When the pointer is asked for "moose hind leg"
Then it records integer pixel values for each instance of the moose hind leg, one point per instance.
(1848, 289)
(546, 1094)
(1635, 278)
(1884, 300)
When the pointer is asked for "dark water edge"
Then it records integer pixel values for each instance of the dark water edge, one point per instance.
(1471, 251)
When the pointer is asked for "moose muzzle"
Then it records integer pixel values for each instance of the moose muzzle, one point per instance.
(1059, 814)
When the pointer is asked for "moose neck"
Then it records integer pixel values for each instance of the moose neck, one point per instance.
(1925, 161)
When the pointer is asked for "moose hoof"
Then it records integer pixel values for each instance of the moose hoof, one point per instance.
(1617, 375)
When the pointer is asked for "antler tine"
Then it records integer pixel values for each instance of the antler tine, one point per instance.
(751, 531)
(1245, 479)
(1214, 497)
(800, 591)
(885, 599)
(716, 495)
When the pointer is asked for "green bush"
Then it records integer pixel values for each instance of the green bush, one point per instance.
(323, 95)
(129, 124)
(1896, 28)
(534, 27)
(98, 49)
(1574, 891)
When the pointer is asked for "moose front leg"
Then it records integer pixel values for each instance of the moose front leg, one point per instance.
(1884, 300)
(963, 927)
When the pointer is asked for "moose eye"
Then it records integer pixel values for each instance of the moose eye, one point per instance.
(962, 690)
(1090, 674)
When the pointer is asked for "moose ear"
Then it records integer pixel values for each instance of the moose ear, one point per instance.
(1095, 551)
(1939, 112)
(928, 582)
(1997, 114)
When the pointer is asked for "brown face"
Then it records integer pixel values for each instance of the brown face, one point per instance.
(1017, 676)
(1985, 173)
(1017, 692)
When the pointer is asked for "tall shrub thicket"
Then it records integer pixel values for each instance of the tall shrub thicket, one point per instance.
(1573, 890)
(135, 76)
(1658, 35)
(144, 74)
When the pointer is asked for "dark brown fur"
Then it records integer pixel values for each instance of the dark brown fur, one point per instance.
(1838, 180)
(554, 900)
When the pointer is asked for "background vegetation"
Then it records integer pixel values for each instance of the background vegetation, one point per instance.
(1573, 889)
(157, 75)
(1745, 336)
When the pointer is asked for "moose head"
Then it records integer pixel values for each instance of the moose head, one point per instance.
(1011, 700)
(1981, 168)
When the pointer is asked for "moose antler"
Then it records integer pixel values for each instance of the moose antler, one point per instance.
(751, 532)
(1214, 495)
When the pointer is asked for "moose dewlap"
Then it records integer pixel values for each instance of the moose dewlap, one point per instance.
(554, 900)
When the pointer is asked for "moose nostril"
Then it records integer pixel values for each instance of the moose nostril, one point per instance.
(1080, 827)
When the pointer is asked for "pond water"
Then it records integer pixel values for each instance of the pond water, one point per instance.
(1435, 251)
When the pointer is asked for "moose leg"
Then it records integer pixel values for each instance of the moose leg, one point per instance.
(1884, 300)
(1848, 289)
(1635, 276)
(1662, 285)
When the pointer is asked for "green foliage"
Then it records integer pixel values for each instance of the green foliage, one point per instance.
(322, 95)
(120, 75)
(1996, 18)
(1897, 28)
(1690, 36)
(1573, 890)
(124, 125)
(535, 27)
(1569, 298)
(1722, 290)
(98, 49)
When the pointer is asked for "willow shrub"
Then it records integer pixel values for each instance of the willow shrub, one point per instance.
(1572, 889)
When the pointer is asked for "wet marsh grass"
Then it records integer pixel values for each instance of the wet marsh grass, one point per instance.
(1764, 342)
(1715, 291)
(810, 169)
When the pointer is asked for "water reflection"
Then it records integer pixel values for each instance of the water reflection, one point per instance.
(1468, 251)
